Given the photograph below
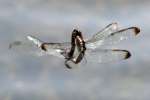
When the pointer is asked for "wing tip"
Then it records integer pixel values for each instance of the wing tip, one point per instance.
(136, 30)
(127, 55)
(15, 43)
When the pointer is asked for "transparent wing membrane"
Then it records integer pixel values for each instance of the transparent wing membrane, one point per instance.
(23, 47)
(54, 49)
(33, 46)
(14, 44)
(115, 37)
(121, 35)
(36, 41)
(22, 44)
(113, 27)
(106, 55)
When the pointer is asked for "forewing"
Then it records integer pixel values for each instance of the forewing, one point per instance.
(55, 49)
(32, 45)
(29, 43)
(106, 55)
(35, 40)
(113, 27)
(24, 48)
(115, 37)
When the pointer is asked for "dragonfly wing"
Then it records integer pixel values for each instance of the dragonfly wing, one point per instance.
(121, 35)
(25, 44)
(33, 46)
(106, 55)
(34, 40)
(113, 27)
(14, 44)
(55, 49)
(24, 48)
(38, 43)
(115, 37)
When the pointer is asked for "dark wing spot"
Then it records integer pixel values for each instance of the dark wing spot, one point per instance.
(136, 30)
(127, 53)
(43, 47)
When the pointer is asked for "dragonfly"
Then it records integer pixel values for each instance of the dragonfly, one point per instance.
(80, 49)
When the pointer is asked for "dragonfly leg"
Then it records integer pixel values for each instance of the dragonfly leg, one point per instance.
(67, 64)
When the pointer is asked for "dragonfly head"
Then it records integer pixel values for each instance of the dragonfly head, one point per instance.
(75, 30)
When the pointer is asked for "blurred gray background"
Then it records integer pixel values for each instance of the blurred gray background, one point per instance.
(24, 76)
